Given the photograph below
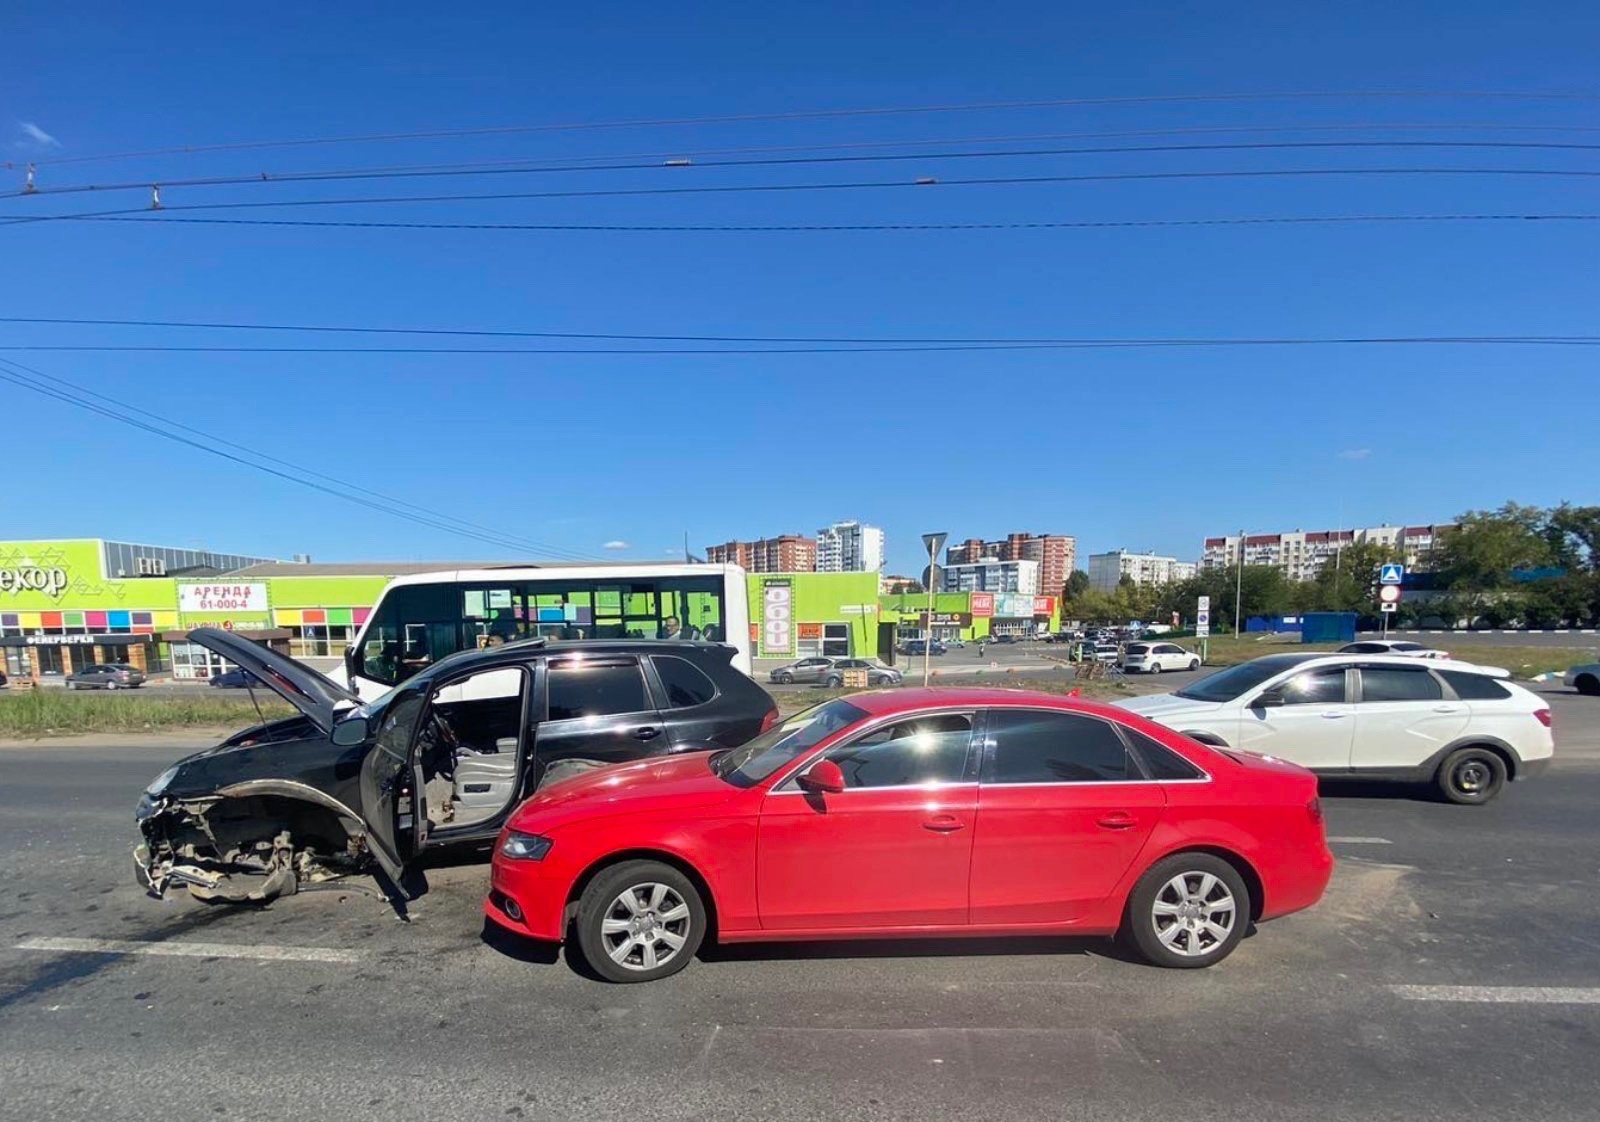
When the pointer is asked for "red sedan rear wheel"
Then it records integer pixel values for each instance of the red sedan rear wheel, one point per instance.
(1187, 911)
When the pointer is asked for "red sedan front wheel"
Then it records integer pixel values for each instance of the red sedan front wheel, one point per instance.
(639, 921)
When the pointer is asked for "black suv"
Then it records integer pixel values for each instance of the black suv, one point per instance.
(442, 759)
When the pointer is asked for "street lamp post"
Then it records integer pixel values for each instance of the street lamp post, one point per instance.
(934, 542)
(1238, 590)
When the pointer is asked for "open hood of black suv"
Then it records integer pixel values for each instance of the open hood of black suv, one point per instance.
(318, 697)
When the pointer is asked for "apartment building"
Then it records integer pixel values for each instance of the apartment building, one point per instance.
(786, 553)
(849, 547)
(1106, 570)
(991, 575)
(1301, 554)
(1055, 554)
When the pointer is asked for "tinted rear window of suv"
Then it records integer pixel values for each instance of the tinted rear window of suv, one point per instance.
(685, 684)
(1474, 687)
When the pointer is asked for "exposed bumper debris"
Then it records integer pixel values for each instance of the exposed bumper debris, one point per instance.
(206, 847)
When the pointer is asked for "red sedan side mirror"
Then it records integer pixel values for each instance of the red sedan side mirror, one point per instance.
(822, 777)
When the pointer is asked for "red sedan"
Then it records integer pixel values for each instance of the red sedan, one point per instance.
(917, 813)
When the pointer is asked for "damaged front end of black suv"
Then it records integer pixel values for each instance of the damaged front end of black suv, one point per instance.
(268, 809)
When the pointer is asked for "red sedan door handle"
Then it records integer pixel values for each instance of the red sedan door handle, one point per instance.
(943, 824)
(1121, 820)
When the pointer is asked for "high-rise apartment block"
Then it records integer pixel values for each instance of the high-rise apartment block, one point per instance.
(1055, 554)
(786, 553)
(1301, 554)
(849, 547)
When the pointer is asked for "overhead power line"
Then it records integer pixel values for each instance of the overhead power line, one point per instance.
(838, 227)
(809, 349)
(830, 114)
(775, 188)
(363, 329)
(679, 166)
(692, 153)
(114, 409)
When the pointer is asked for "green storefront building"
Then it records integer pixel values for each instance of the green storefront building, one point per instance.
(65, 604)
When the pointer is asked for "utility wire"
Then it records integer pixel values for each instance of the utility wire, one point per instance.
(349, 329)
(914, 348)
(773, 188)
(679, 166)
(856, 227)
(833, 114)
(72, 394)
(606, 159)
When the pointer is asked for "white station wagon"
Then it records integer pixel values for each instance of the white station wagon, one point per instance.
(1461, 727)
(1153, 658)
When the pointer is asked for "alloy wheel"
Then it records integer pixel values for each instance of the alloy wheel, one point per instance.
(1194, 914)
(645, 926)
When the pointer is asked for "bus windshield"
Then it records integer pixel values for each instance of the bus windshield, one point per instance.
(420, 620)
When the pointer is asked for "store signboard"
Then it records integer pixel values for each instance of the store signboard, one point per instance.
(946, 619)
(1013, 605)
(982, 604)
(235, 597)
(50, 580)
(777, 618)
(1044, 606)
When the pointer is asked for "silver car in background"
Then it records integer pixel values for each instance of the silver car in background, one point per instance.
(107, 676)
(1585, 678)
(878, 673)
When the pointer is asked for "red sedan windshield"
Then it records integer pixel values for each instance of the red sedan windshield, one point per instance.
(750, 763)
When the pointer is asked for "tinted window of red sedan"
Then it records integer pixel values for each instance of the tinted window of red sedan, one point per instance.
(931, 749)
(1037, 746)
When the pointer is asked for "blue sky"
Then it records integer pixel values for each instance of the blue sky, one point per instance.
(1148, 449)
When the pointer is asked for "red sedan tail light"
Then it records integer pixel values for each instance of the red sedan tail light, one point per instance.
(770, 719)
(1314, 810)
(1543, 717)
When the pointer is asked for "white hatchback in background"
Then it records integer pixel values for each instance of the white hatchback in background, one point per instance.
(1403, 647)
(1153, 658)
(1461, 727)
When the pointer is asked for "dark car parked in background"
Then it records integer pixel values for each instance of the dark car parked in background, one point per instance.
(916, 647)
(234, 679)
(107, 676)
(440, 760)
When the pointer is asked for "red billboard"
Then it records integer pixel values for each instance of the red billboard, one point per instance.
(982, 605)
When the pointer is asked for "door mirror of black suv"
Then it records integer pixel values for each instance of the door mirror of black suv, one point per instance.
(350, 732)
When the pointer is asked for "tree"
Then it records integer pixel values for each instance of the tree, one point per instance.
(1077, 584)
(1486, 545)
(1349, 583)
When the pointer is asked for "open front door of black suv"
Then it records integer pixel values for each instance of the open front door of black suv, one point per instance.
(392, 790)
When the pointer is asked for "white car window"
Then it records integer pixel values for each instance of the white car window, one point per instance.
(1398, 683)
(1316, 687)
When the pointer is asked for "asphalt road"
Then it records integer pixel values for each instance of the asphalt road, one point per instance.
(432, 1020)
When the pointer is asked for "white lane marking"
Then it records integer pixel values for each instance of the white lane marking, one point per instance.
(1503, 995)
(1359, 841)
(190, 950)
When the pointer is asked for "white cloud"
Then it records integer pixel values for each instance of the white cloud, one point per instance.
(38, 135)
(1355, 453)
(616, 543)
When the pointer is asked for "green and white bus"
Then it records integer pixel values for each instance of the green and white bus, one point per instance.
(421, 618)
